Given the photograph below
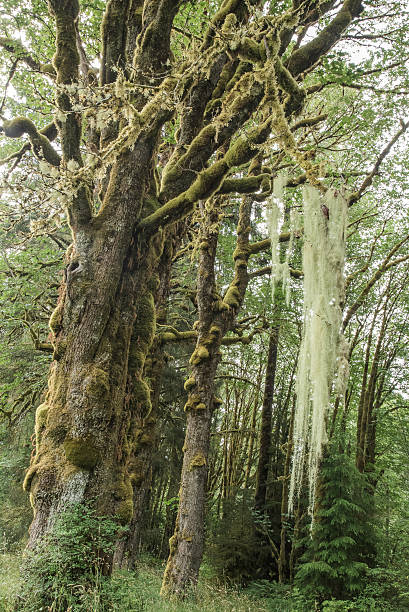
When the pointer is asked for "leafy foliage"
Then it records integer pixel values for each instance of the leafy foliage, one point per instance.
(66, 570)
(337, 556)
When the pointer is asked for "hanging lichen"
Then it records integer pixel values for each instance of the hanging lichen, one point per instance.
(280, 271)
(323, 347)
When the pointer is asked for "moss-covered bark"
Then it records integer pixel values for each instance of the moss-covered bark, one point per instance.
(144, 399)
(266, 423)
(216, 316)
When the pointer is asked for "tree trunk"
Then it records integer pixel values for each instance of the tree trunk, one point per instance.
(216, 316)
(282, 560)
(86, 430)
(141, 460)
(266, 419)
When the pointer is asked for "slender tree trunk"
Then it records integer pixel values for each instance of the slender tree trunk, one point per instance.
(282, 560)
(253, 431)
(216, 316)
(266, 422)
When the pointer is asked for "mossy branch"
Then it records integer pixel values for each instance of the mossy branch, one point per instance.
(307, 55)
(16, 128)
(248, 184)
(173, 335)
(49, 131)
(308, 122)
(294, 273)
(208, 181)
(264, 245)
(66, 62)
(228, 341)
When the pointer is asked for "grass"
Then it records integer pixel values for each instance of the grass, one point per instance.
(9, 571)
(139, 592)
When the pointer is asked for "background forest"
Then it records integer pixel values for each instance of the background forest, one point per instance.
(349, 134)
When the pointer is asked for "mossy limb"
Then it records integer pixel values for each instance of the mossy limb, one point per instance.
(189, 383)
(198, 355)
(55, 323)
(40, 422)
(232, 297)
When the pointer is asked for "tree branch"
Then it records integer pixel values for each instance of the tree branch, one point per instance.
(354, 197)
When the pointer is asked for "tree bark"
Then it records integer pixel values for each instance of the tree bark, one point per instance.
(266, 423)
(216, 316)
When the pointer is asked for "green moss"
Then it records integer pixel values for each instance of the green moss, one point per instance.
(213, 336)
(123, 488)
(56, 319)
(241, 253)
(200, 406)
(192, 402)
(48, 68)
(173, 544)
(143, 333)
(19, 126)
(217, 401)
(60, 348)
(232, 297)
(96, 382)
(249, 51)
(40, 421)
(124, 511)
(31, 472)
(141, 392)
(199, 460)
(189, 383)
(82, 452)
(220, 305)
(15, 128)
(199, 355)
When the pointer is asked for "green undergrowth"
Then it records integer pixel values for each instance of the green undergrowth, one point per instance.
(139, 592)
(134, 592)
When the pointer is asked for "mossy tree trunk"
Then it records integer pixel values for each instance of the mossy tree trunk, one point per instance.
(97, 409)
(216, 316)
(266, 423)
(146, 423)
(104, 323)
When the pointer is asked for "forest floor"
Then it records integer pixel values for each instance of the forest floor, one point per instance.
(139, 592)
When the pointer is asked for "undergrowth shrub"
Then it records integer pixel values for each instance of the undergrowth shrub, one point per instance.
(65, 571)
(234, 548)
(339, 550)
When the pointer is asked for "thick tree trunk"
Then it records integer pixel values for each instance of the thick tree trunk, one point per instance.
(85, 430)
(146, 425)
(104, 322)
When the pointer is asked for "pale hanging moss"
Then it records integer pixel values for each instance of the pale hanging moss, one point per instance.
(280, 272)
(323, 347)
